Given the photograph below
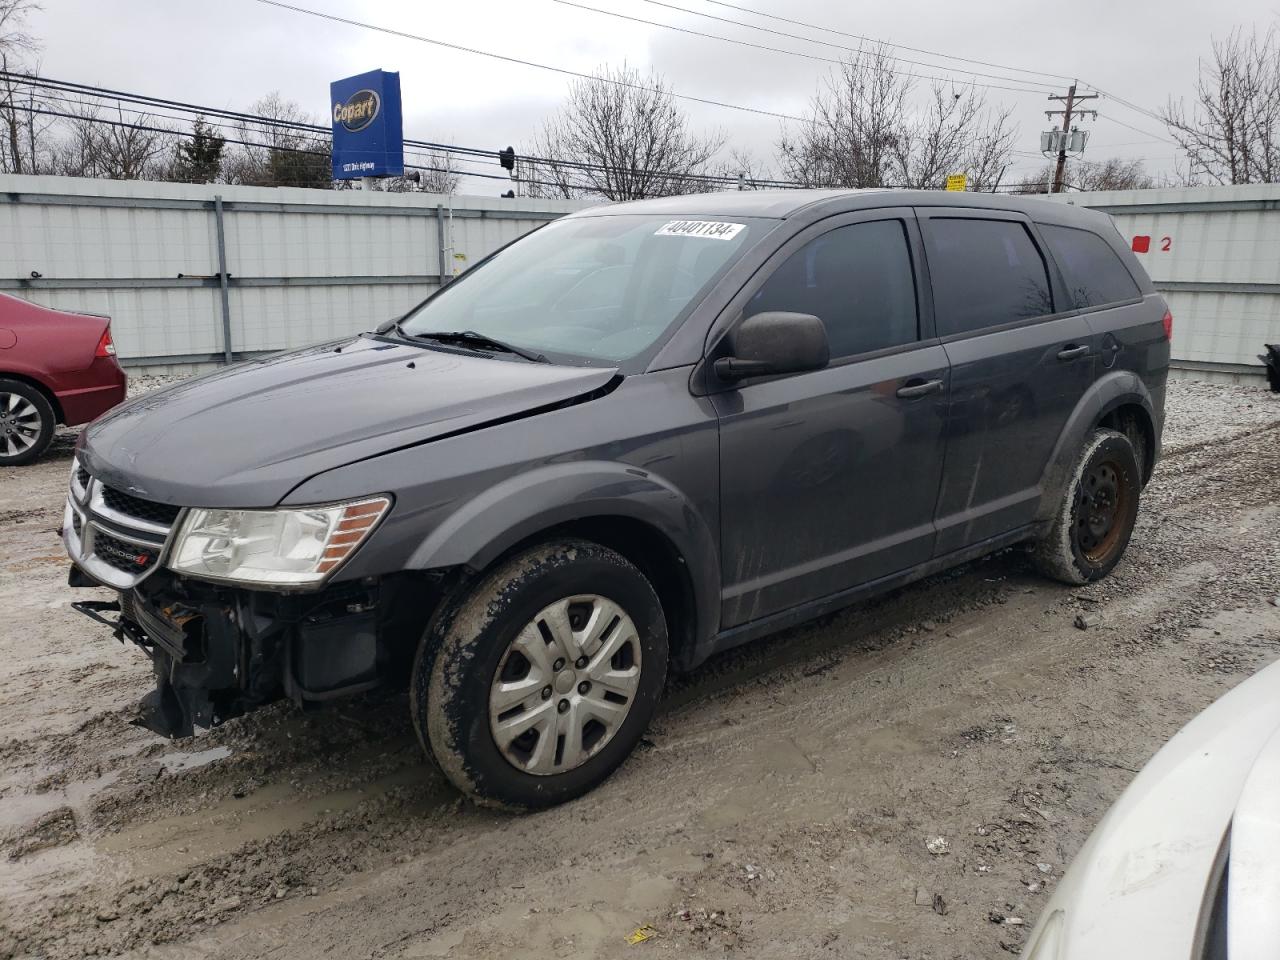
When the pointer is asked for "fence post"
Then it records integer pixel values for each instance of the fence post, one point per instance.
(444, 275)
(222, 278)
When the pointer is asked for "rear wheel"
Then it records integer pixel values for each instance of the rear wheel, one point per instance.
(537, 686)
(26, 423)
(1096, 516)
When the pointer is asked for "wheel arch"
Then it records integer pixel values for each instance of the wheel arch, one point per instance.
(631, 511)
(29, 380)
(1119, 401)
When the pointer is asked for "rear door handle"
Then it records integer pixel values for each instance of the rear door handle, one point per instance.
(1073, 351)
(912, 390)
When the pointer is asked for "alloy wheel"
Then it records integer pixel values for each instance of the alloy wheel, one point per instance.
(19, 424)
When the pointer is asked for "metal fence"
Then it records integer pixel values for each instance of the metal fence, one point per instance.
(196, 274)
(192, 274)
(1214, 252)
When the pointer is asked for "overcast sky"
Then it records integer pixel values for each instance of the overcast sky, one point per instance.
(229, 53)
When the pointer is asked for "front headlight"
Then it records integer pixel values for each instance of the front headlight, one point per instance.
(295, 546)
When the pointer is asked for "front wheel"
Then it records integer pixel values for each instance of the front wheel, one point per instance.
(537, 686)
(1096, 515)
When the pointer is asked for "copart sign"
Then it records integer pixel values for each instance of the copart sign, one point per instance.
(368, 132)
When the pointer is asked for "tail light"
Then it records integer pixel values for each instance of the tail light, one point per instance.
(105, 347)
(1167, 320)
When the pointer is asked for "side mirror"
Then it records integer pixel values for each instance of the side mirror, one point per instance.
(775, 342)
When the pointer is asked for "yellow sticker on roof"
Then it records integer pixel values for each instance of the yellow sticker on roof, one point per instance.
(708, 229)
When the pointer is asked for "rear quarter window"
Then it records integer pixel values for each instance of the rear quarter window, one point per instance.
(1094, 272)
(984, 273)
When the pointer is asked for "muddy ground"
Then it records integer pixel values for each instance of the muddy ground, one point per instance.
(784, 804)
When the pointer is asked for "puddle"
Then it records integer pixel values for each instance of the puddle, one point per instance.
(18, 810)
(177, 762)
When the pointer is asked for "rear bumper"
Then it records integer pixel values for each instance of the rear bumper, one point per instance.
(219, 653)
(92, 392)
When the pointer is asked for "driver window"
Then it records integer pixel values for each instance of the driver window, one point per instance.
(857, 280)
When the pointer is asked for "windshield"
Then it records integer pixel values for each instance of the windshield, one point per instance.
(594, 289)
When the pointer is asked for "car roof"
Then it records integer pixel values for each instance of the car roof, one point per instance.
(785, 204)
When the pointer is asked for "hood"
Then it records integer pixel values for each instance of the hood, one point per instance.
(245, 436)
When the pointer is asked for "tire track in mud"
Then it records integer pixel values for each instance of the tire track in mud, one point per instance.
(328, 825)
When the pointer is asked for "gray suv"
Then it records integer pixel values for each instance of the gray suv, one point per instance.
(640, 435)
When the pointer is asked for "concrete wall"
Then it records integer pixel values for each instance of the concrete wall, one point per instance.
(1214, 252)
(302, 265)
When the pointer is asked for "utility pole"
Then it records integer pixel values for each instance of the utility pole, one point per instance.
(1070, 100)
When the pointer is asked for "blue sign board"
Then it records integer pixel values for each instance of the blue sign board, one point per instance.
(368, 128)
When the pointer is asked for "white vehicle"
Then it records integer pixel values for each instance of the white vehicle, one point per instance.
(1187, 862)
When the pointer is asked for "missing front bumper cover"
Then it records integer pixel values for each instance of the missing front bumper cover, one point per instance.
(219, 653)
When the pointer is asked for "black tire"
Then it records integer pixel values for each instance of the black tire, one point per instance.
(1097, 512)
(460, 657)
(23, 409)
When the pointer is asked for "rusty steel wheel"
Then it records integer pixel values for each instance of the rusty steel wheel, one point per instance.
(1096, 512)
(1104, 502)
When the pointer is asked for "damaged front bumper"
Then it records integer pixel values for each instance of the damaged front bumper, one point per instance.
(219, 652)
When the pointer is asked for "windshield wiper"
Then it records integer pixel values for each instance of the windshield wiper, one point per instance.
(471, 338)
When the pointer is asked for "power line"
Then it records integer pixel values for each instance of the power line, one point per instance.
(866, 39)
(837, 46)
(792, 53)
(932, 53)
(147, 128)
(462, 153)
(1129, 126)
(524, 63)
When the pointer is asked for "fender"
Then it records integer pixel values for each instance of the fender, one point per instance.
(1115, 389)
(517, 508)
(18, 370)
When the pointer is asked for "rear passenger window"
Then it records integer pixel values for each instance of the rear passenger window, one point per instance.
(1094, 273)
(857, 280)
(984, 273)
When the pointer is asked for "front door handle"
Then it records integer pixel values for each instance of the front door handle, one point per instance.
(917, 388)
(1073, 351)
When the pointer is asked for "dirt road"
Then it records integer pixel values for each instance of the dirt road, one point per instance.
(787, 803)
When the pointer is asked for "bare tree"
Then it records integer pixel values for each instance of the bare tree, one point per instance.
(619, 135)
(136, 147)
(866, 129)
(955, 133)
(24, 149)
(280, 152)
(1110, 174)
(1231, 133)
(437, 174)
(855, 128)
(743, 166)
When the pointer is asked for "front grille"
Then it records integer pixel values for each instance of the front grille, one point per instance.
(125, 557)
(116, 538)
(138, 508)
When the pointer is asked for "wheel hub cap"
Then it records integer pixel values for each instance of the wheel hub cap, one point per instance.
(548, 735)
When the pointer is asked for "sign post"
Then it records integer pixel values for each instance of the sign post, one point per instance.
(368, 126)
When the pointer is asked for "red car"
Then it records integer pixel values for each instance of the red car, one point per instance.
(55, 367)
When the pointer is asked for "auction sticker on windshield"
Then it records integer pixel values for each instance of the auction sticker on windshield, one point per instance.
(710, 229)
